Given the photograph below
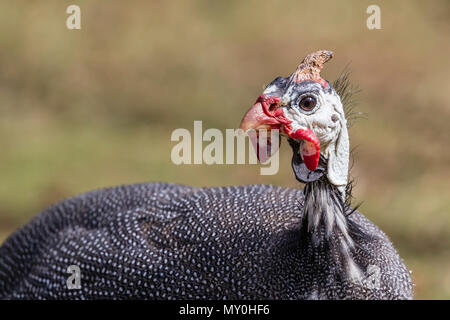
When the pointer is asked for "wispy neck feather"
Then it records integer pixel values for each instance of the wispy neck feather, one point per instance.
(326, 225)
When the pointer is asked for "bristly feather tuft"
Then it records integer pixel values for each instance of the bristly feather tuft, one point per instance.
(325, 221)
(347, 92)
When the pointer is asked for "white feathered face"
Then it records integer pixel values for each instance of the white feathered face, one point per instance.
(308, 111)
(308, 105)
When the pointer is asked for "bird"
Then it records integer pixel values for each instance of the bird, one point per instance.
(168, 241)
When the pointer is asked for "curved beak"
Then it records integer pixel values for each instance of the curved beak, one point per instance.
(259, 117)
(256, 118)
(266, 114)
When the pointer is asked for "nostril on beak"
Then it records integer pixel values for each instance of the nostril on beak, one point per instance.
(273, 107)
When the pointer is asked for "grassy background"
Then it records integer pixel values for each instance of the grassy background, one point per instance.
(91, 108)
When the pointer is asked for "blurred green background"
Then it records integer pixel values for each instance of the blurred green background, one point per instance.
(96, 107)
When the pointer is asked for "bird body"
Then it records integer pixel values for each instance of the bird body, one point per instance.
(167, 241)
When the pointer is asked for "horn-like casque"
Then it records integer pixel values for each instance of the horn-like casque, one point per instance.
(311, 66)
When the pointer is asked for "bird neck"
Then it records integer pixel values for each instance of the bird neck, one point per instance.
(324, 207)
(325, 223)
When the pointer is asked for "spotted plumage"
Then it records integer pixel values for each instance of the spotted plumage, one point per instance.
(166, 241)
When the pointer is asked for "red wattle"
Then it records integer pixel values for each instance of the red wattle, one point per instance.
(310, 149)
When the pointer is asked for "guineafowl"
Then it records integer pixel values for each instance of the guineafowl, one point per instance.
(167, 241)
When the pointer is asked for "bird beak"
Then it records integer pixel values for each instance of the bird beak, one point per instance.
(257, 119)
(264, 115)
(267, 114)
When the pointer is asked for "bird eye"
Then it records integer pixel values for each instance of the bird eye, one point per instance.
(308, 103)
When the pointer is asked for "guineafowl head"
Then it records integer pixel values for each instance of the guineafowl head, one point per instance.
(309, 112)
